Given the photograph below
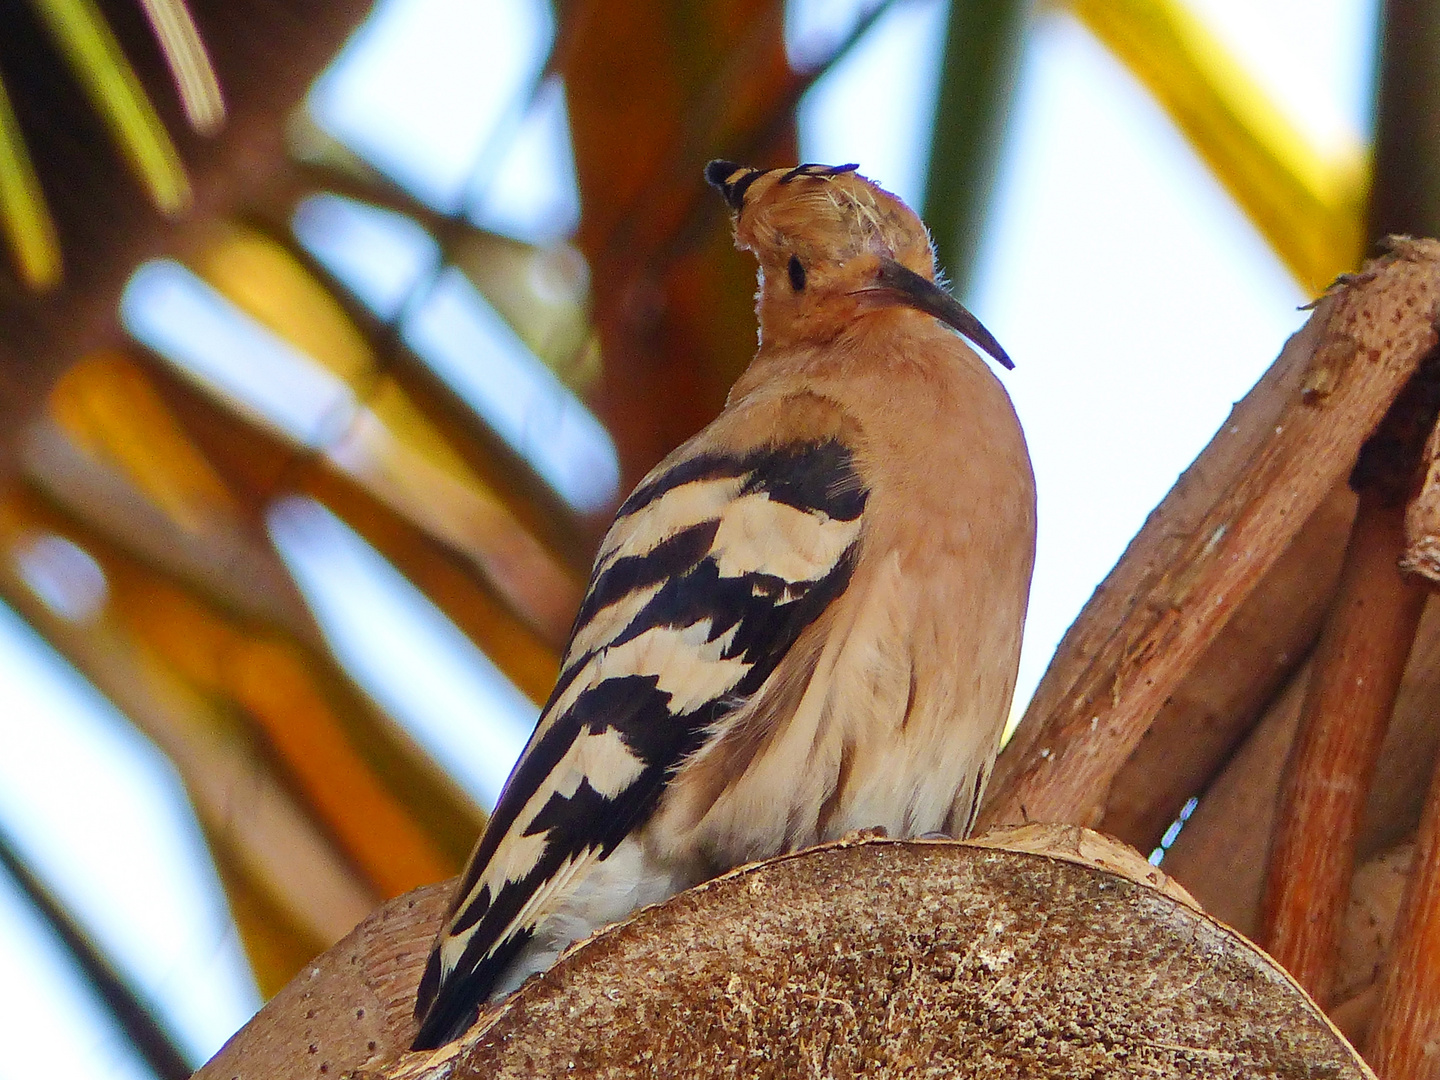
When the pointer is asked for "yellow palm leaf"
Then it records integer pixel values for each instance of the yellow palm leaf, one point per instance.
(114, 89)
(1309, 207)
(106, 405)
(23, 212)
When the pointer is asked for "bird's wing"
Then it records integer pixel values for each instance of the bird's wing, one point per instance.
(712, 569)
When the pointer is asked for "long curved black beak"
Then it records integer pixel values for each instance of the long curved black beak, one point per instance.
(922, 294)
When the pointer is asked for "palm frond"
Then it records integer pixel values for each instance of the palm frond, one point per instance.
(1308, 206)
(23, 212)
(86, 41)
(125, 1004)
(189, 63)
(983, 39)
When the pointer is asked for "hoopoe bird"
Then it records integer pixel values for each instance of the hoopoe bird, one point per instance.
(805, 621)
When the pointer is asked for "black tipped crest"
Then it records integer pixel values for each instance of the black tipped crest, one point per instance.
(811, 169)
(733, 181)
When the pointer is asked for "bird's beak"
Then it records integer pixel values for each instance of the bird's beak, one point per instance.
(919, 292)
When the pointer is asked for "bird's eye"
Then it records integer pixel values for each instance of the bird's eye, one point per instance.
(797, 273)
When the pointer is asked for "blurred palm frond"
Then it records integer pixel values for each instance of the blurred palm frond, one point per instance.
(84, 38)
(23, 212)
(1309, 206)
(135, 1017)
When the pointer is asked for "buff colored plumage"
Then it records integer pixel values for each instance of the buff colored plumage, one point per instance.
(805, 621)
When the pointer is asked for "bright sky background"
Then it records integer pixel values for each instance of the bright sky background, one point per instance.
(1137, 302)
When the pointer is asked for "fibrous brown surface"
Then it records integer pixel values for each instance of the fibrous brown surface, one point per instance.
(1349, 697)
(1046, 951)
(876, 958)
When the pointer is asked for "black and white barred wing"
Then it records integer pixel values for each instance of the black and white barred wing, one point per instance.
(711, 571)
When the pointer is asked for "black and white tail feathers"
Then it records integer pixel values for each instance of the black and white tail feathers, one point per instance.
(712, 569)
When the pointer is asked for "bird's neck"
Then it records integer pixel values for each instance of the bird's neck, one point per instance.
(795, 322)
(819, 320)
(873, 339)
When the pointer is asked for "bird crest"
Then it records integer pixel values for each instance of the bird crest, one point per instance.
(733, 180)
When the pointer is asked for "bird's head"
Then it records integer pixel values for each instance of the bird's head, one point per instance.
(832, 245)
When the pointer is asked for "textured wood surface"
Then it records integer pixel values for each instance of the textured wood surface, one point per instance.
(349, 1009)
(949, 960)
(885, 958)
(1422, 518)
(1349, 698)
(1375, 895)
(1404, 1037)
(1227, 691)
(1220, 855)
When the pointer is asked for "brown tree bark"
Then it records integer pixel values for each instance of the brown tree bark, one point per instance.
(1404, 1041)
(1355, 676)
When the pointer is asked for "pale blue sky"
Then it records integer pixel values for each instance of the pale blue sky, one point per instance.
(1137, 302)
